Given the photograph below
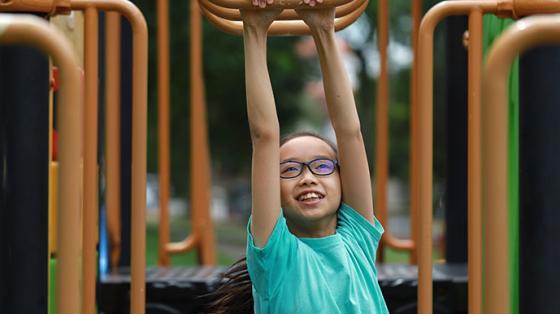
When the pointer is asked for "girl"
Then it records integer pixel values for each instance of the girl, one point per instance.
(312, 235)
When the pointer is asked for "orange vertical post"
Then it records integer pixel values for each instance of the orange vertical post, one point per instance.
(139, 136)
(424, 129)
(163, 127)
(474, 170)
(416, 17)
(382, 135)
(200, 157)
(112, 134)
(36, 32)
(91, 198)
(524, 34)
(381, 118)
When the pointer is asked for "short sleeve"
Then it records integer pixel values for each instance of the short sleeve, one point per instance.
(358, 231)
(277, 254)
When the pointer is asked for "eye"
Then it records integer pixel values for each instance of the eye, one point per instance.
(290, 168)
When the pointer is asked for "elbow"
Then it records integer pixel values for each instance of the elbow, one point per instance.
(348, 130)
(265, 134)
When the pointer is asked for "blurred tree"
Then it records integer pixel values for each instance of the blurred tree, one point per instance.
(230, 143)
(225, 91)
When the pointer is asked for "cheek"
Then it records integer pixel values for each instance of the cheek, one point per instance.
(285, 194)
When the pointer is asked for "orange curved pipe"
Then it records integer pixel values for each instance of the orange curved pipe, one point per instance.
(43, 6)
(287, 14)
(284, 4)
(424, 130)
(282, 27)
(36, 32)
(524, 34)
(139, 136)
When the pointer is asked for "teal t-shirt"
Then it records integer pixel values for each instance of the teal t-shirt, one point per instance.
(334, 274)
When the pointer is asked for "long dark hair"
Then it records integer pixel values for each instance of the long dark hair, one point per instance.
(234, 293)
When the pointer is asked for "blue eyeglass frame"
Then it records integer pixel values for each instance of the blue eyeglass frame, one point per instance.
(302, 163)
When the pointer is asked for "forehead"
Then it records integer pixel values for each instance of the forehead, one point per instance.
(305, 148)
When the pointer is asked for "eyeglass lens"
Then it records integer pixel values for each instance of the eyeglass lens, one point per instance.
(292, 169)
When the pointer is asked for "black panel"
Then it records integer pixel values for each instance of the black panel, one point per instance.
(456, 143)
(539, 273)
(24, 88)
(126, 139)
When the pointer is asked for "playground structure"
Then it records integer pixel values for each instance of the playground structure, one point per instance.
(484, 195)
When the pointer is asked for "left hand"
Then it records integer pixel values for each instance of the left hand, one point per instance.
(312, 3)
(261, 3)
(318, 19)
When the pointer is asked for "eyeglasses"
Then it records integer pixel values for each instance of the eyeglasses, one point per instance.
(319, 167)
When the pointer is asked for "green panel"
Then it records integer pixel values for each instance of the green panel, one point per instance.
(493, 27)
(52, 284)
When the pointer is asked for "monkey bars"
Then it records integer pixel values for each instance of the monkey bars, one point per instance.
(521, 36)
(424, 146)
(226, 14)
(139, 130)
(474, 9)
(36, 32)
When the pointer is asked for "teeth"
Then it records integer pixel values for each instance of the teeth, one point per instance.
(310, 195)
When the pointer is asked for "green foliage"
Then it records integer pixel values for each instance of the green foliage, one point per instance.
(225, 93)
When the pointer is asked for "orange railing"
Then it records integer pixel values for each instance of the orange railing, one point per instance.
(521, 36)
(424, 146)
(36, 32)
(139, 118)
(382, 132)
(202, 236)
(474, 9)
(226, 16)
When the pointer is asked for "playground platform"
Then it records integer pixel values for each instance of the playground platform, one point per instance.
(181, 290)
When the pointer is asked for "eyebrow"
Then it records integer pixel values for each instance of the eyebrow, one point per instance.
(312, 158)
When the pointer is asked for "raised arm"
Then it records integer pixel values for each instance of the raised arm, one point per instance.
(263, 124)
(354, 170)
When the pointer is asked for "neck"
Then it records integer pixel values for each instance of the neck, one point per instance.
(315, 229)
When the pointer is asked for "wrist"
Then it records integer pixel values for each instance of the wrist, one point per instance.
(255, 30)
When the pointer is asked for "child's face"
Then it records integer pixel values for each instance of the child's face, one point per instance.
(309, 199)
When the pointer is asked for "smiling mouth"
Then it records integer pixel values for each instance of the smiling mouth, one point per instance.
(310, 197)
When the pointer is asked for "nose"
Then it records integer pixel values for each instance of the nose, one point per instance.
(307, 177)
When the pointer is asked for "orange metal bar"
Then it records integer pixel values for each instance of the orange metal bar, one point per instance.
(45, 6)
(424, 129)
(382, 134)
(112, 138)
(281, 27)
(284, 4)
(202, 236)
(525, 34)
(474, 209)
(91, 192)
(139, 135)
(416, 17)
(200, 156)
(36, 32)
(530, 7)
(163, 128)
(287, 14)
